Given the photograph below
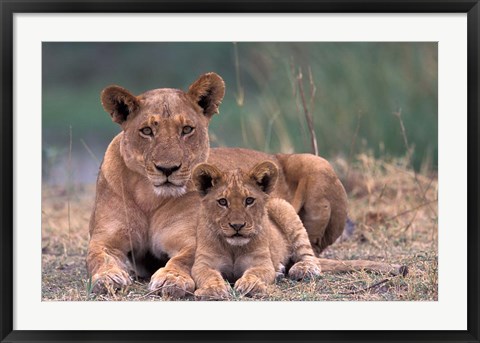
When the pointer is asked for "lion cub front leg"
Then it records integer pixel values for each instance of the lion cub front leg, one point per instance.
(209, 281)
(257, 276)
(174, 279)
(306, 264)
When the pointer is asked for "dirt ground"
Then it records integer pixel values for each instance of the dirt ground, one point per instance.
(394, 219)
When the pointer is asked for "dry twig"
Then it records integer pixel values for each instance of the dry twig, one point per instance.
(240, 96)
(308, 114)
(129, 230)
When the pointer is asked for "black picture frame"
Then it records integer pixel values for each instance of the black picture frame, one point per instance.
(10, 7)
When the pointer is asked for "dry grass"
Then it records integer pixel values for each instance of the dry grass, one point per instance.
(395, 216)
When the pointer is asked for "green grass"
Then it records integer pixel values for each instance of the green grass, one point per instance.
(358, 85)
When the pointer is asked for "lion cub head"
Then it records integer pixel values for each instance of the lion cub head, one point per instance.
(234, 202)
(165, 130)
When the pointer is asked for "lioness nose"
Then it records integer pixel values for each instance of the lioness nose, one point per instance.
(237, 227)
(168, 170)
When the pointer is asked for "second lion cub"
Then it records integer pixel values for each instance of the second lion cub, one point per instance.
(243, 235)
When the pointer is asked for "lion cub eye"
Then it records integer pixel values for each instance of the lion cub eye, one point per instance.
(222, 202)
(146, 131)
(186, 130)
(249, 201)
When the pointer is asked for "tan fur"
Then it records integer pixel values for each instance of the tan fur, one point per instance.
(137, 212)
(142, 201)
(251, 253)
(308, 182)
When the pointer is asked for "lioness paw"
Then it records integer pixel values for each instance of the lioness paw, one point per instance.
(171, 283)
(250, 286)
(213, 292)
(304, 270)
(110, 280)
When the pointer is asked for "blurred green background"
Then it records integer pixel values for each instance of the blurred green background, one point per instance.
(359, 87)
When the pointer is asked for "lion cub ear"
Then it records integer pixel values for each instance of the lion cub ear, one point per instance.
(207, 92)
(205, 176)
(265, 175)
(119, 103)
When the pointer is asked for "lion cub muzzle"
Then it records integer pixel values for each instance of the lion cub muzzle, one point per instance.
(237, 236)
(237, 227)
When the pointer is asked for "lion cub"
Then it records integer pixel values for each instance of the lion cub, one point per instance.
(243, 235)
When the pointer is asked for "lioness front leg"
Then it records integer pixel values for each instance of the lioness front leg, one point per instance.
(116, 230)
(106, 266)
(174, 279)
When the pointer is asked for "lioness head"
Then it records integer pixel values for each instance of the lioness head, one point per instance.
(165, 130)
(234, 201)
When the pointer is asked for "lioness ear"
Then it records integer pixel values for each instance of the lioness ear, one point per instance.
(205, 176)
(119, 103)
(207, 92)
(265, 175)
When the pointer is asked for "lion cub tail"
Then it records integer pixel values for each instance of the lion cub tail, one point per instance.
(284, 215)
(358, 265)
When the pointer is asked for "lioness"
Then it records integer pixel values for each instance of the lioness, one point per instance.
(145, 203)
(237, 238)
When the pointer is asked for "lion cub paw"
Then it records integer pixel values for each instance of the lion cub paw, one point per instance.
(250, 285)
(171, 283)
(304, 270)
(110, 280)
(212, 292)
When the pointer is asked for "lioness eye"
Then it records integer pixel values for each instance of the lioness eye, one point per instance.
(146, 131)
(187, 129)
(222, 202)
(249, 201)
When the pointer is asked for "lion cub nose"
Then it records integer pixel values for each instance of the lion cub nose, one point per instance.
(168, 170)
(237, 227)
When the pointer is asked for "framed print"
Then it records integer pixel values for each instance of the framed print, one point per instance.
(146, 145)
